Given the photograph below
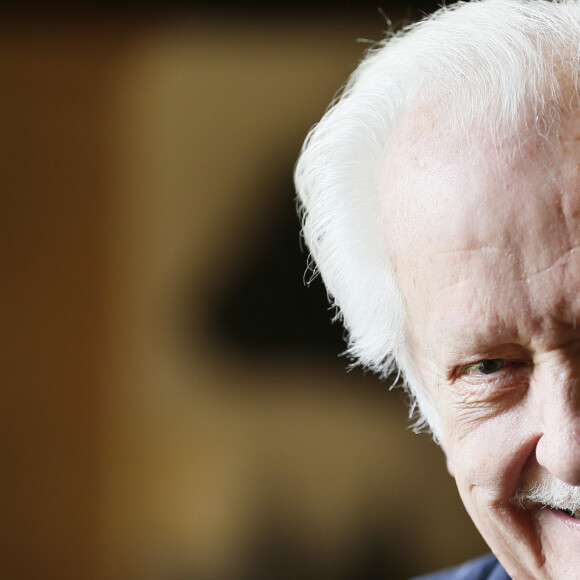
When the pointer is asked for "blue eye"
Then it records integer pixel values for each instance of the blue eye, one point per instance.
(487, 366)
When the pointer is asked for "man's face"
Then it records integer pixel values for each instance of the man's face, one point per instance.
(486, 248)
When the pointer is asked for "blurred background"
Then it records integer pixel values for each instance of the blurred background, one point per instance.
(173, 406)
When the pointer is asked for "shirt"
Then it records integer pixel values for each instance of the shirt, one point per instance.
(483, 568)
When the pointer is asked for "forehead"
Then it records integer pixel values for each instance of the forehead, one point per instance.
(479, 230)
(438, 181)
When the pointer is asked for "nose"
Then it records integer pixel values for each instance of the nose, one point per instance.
(558, 406)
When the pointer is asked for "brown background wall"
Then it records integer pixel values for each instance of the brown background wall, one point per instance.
(141, 164)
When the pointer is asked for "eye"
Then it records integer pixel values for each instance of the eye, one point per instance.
(487, 366)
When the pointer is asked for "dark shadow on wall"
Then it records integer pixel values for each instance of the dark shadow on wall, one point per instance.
(281, 557)
(262, 310)
(409, 9)
(267, 308)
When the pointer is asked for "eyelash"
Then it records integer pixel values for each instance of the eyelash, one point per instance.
(508, 373)
(501, 363)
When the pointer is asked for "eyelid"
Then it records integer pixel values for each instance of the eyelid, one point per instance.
(507, 366)
(510, 353)
(502, 363)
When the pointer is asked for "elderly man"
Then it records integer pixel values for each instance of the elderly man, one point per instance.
(441, 203)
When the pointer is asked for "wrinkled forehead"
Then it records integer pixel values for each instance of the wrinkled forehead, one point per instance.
(430, 167)
(442, 191)
(465, 218)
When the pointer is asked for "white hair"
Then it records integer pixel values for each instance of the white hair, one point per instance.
(504, 65)
(551, 492)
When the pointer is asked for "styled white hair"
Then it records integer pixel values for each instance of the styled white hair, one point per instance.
(504, 66)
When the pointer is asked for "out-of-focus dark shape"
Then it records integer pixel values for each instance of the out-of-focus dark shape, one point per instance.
(373, 557)
(266, 308)
(308, 8)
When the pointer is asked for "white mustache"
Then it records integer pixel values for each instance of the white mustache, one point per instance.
(553, 493)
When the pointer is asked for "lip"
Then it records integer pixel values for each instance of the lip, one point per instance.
(564, 517)
(536, 510)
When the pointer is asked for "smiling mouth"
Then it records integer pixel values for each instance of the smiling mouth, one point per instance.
(552, 494)
(575, 514)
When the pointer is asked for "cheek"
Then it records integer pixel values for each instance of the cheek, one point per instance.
(489, 458)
